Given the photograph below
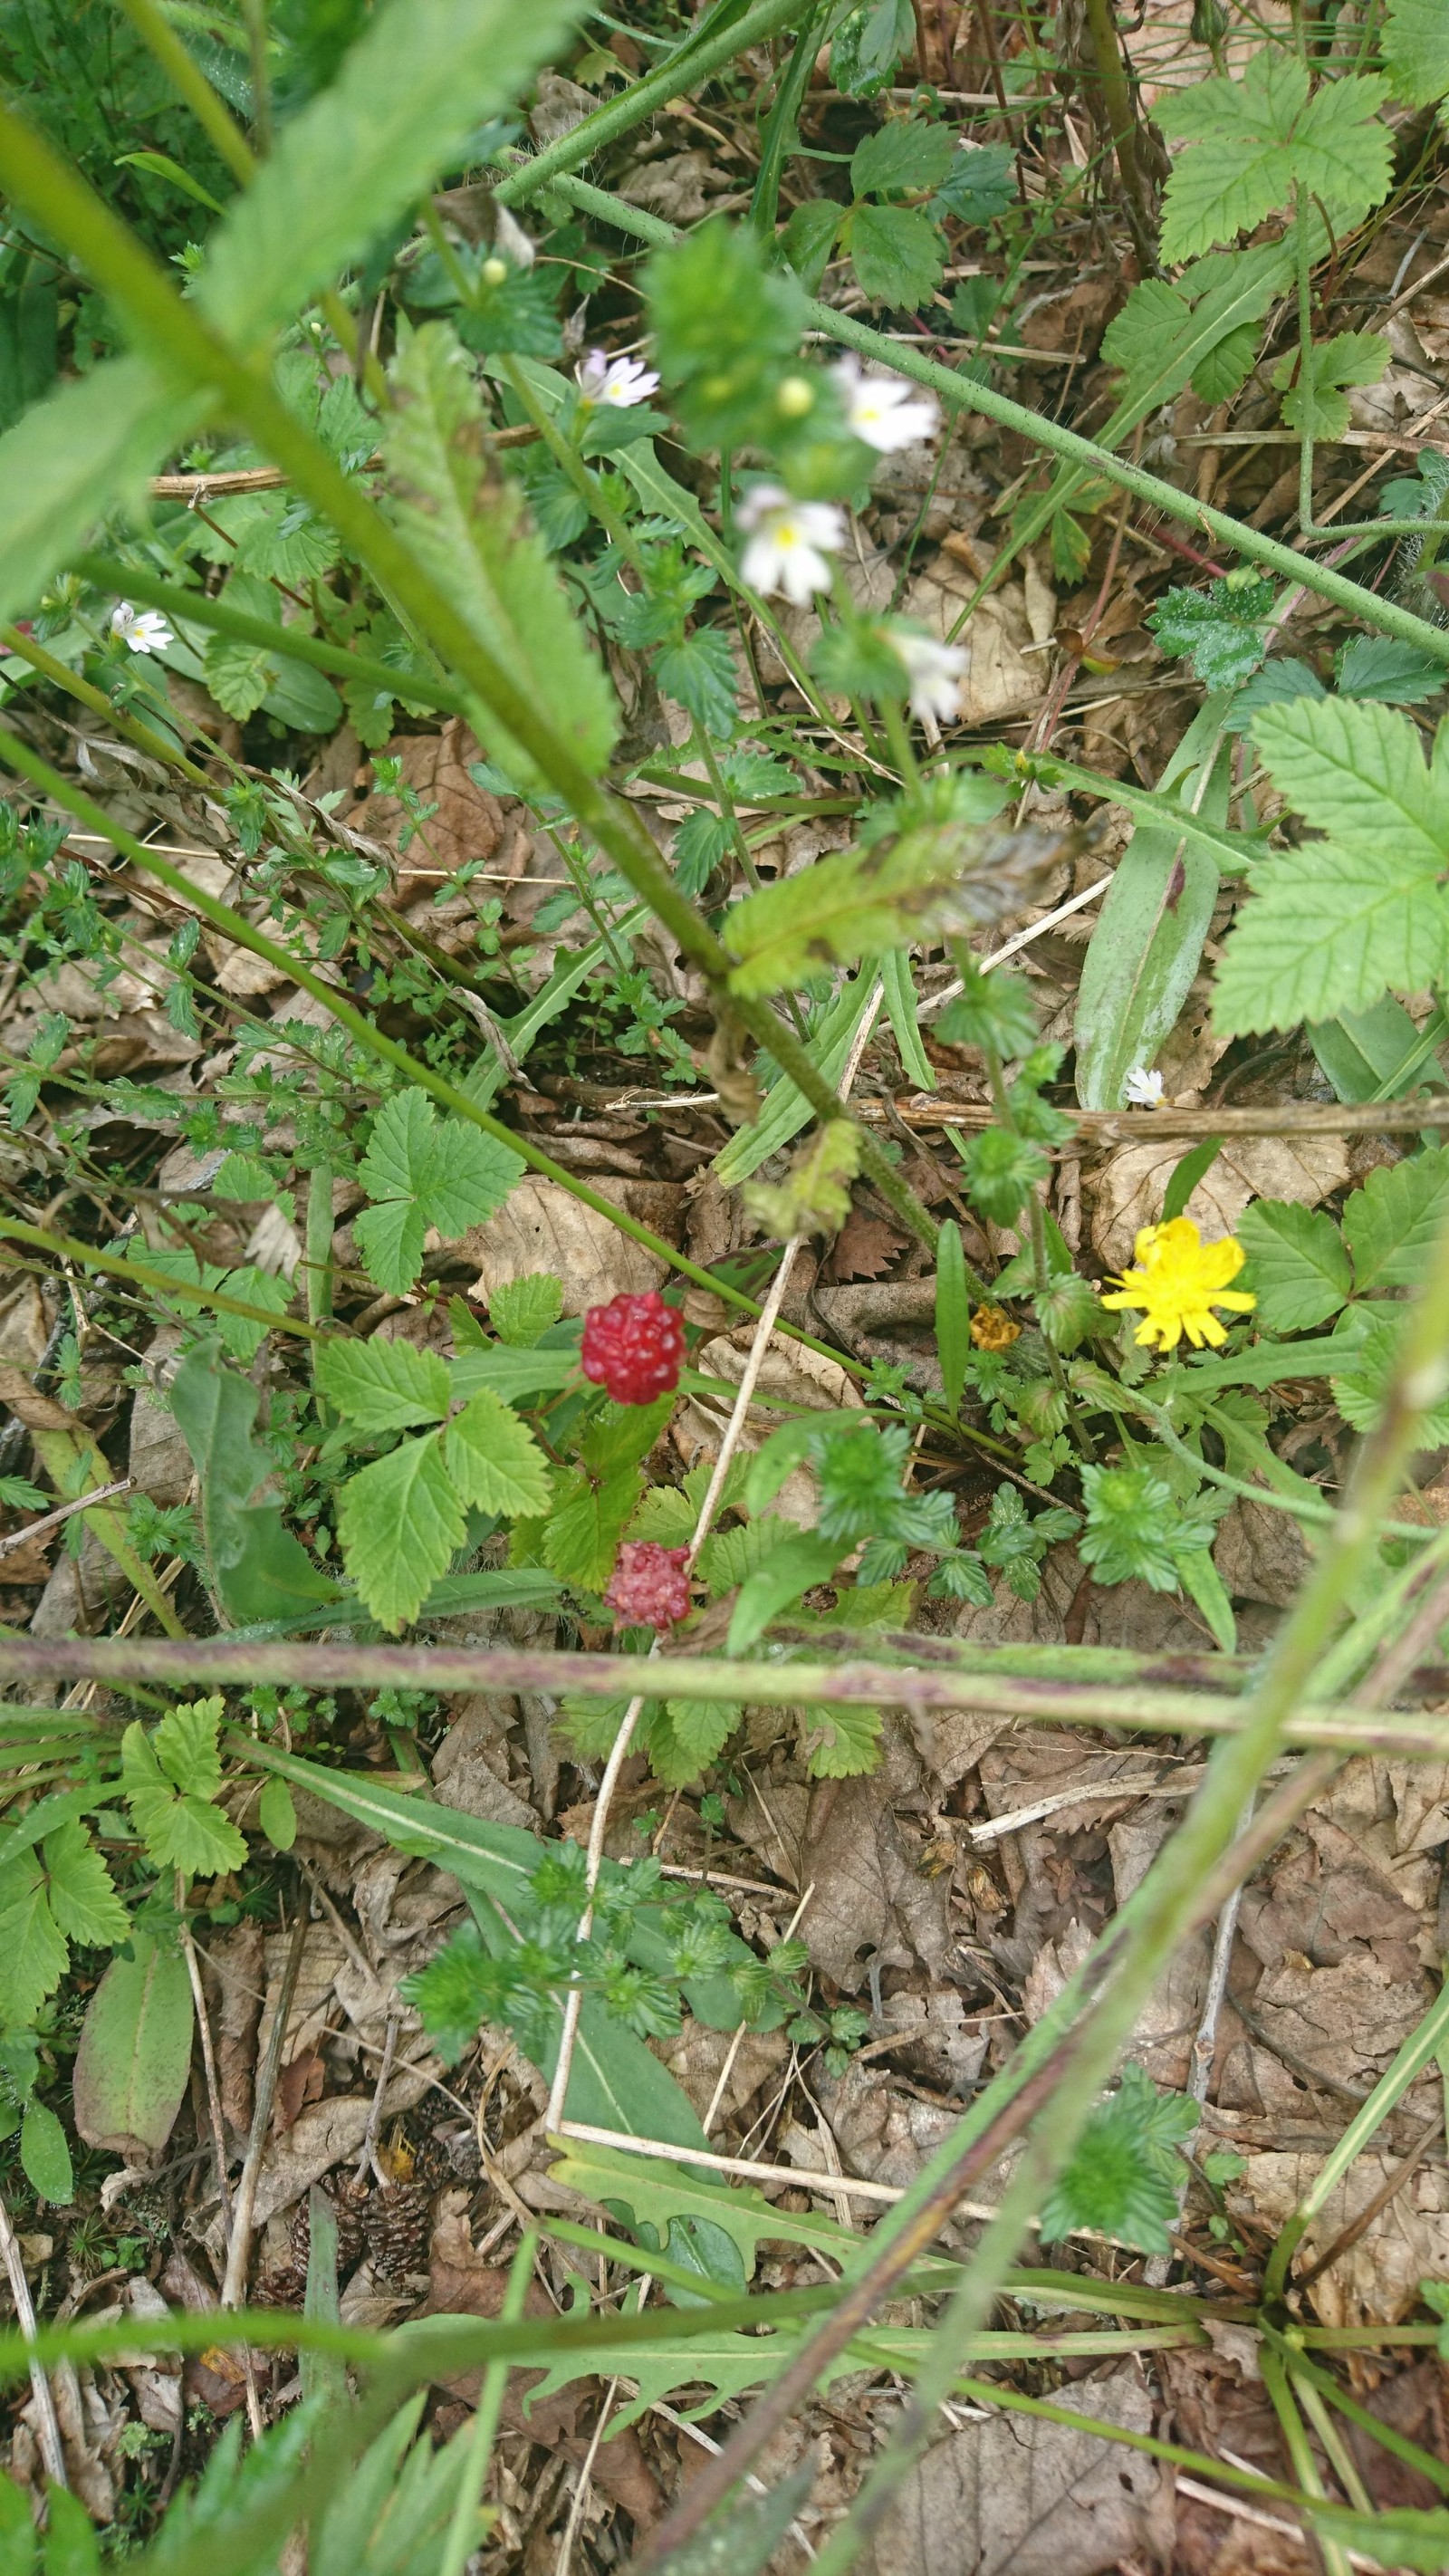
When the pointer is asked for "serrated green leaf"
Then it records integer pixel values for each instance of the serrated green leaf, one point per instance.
(83, 1898)
(843, 1742)
(34, 1951)
(587, 1518)
(463, 526)
(494, 1461)
(46, 2158)
(359, 155)
(1313, 403)
(901, 158)
(1391, 1224)
(1416, 51)
(1357, 771)
(276, 1814)
(169, 1781)
(897, 253)
(1222, 631)
(1370, 1356)
(521, 1310)
(420, 1172)
(466, 1178)
(1329, 930)
(186, 1746)
(686, 1735)
(383, 1386)
(1258, 138)
(1386, 668)
(390, 1237)
(700, 673)
(399, 1522)
(1123, 2179)
(1299, 1269)
(814, 1198)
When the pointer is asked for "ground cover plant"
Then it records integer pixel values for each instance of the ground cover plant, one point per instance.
(724, 1286)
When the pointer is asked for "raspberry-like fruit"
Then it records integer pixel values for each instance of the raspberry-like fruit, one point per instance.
(633, 1347)
(649, 1586)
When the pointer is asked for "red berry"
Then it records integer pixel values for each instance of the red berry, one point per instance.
(634, 1347)
(649, 1586)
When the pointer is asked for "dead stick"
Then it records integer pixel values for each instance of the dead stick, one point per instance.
(233, 2288)
(51, 2452)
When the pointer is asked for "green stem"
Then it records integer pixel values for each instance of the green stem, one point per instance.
(463, 2529)
(685, 69)
(191, 84)
(1305, 358)
(61, 676)
(960, 394)
(318, 1245)
(1117, 99)
(571, 464)
(1300, 2451)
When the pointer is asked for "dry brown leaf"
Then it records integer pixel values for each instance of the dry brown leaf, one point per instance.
(1036, 2499)
(1260, 1554)
(470, 1767)
(1378, 2278)
(1128, 1190)
(864, 1247)
(543, 1227)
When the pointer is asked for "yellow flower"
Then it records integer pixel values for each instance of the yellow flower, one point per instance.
(1178, 1281)
(993, 1330)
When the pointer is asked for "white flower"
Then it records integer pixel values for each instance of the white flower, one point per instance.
(883, 409)
(144, 629)
(619, 382)
(934, 671)
(789, 542)
(1144, 1089)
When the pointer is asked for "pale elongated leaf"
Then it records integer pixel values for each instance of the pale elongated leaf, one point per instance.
(71, 459)
(361, 154)
(464, 528)
(256, 1568)
(134, 2060)
(787, 1110)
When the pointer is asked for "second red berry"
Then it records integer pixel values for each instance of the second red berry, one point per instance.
(649, 1586)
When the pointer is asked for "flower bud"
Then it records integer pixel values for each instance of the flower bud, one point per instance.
(494, 271)
(795, 398)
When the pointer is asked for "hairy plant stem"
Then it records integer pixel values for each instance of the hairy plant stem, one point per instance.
(1117, 100)
(958, 393)
(188, 347)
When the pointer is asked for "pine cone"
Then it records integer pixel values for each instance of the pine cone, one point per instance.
(396, 2225)
(348, 2198)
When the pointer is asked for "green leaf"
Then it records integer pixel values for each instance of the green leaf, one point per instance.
(902, 158)
(1370, 1336)
(1186, 1174)
(239, 675)
(897, 253)
(383, 1386)
(1369, 1055)
(462, 525)
(1329, 930)
(276, 1814)
(400, 1523)
(900, 998)
(494, 1461)
(814, 1198)
(1385, 667)
(935, 878)
(1221, 631)
(83, 1898)
(1313, 403)
(1357, 771)
(1299, 1269)
(796, 1564)
(700, 673)
(422, 1172)
(808, 239)
(869, 45)
(588, 1516)
(842, 1742)
(70, 460)
(1416, 51)
(953, 1312)
(1123, 2178)
(256, 1569)
(35, 1952)
(409, 94)
(1258, 138)
(1392, 1223)
(521, 1310)
(724, 327)
(169, 1781)
(134, 2061)
(980, 182)
(1401, 2536)
(45, 2155)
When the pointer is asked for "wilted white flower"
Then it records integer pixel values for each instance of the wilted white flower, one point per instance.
(934, 671)
(144, 629)
(789, 542)
(1144, 1089)
(882, 409)
(619, 382)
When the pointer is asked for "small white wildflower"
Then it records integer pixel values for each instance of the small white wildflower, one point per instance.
(882, 409)
(144, 629)
(789, 542)
(619, 382)
(1144, 1089)
(934, 671)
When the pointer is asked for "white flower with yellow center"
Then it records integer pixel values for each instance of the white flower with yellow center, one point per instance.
(1144, 1089)
(790, 542)
(882, 409)
(618, 383)
(934, 671)
(144, 629)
